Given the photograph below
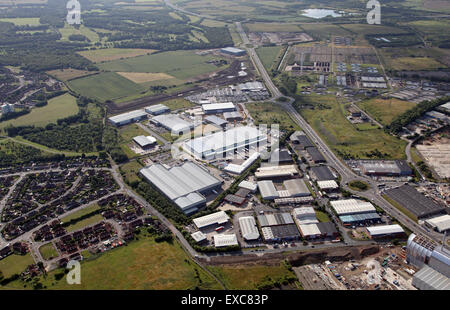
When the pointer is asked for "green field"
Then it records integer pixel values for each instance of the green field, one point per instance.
(345, 138)
(130, 171)
(385, 110)
(84, 223)
(80, 213)
(15, 264)
(324, 31)
(248, 277)
(269, 113)
(272, 27)
(178, 104)
(269, 55)
(105, 86)
(140, 265)
(179, 64)
(128, 133)
(32, 21)
(69, 30)
(363, 29)
(57, 108)
(109, 54)
(322, 216)
(48, 251)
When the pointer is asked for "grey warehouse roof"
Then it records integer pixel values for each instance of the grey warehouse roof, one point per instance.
(429, 279)
(173, 122)
(127, 116)
(296, 187)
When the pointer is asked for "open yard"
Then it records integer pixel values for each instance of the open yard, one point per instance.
(109, 54)
(105, 86)
(385, 110)
(346, 139)
(58, 107)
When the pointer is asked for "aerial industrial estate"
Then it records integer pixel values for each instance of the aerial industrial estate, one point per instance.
(256, 151)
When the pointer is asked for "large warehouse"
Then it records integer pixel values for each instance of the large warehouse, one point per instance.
(173, 123)
(410, 199)
(278, 226)
(238, 169)
(271, 172)
(385, 168)
(322, 173)
(248, 227)
(184, 185)
(352, 206)
(267, 190)
(296, 188)
(216, 108)
(385, 231)
(225, 240)
(225, 143)
(232, 51)
(128, 118)
(144, 142)
(315, 155)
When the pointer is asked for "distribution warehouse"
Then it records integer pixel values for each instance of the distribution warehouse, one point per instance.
(184, 184)
(173, 123)
(127, 118)
(157, 109)
(225, 143)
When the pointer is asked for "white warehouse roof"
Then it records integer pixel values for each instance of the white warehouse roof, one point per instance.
(248, 228)
(351, 206)
(305, 215)
(128, 116)
(309, 230)
(157, 108)
(225, 240)
(330, 184)
(296, 188)
(181, 181)
(248, 185)
(217, 218)
(198, 236)
(441, 223)
(267, 190)
(218, 106)
(144, 141)
(225, 141)
(173, 123)
(385, 230)
(238, 169)
(276, 171)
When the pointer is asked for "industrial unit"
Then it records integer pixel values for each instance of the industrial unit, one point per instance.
(385, 168)
(173, 123)
(184, 185)
(157, 109)
(216, 108)
(352, 206)
(217, 218)
(249, 229)
(439, 223)
(232, 51)
(217, 121)
(322, 173)
(384, 231)
(128, 118)
(410, 199)
(145, 142)
(225, 143)
(315, 155)
(225, 240)
(271, 172)
(238, 169)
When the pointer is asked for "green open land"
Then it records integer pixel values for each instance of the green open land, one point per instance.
(142, 264)
(179, 64)
(269, 55)
(269, 113)
(109, 54)
(105, 86)
(32, 21)
(363, 29)
(57, 108)
(130, 171)
(48, 251)
(69, 30)
(178, 104)
(128, 133)
(385, 110)
(84, 223)
(322, 216)
(249, 277)
(346, 139)
(324, 31)
(272, 27)
(15, 264)
(80, 213)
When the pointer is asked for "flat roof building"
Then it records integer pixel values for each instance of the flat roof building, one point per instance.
(428, 278)
(315, 155)
(329, 185)
(216, 108)
(322, 173)
(157, 109)
(198, 236)
(217, 218)
(173, 123)
(225, 240)
(238, 169)
(309, 231)
(128, 118)
(385, 167)
(296, 188)
(232, 116)
(184, 184)
(217, 121)
(248, 227)
(225, 143)
(415, 202)
(252, 187)
(305, 215)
